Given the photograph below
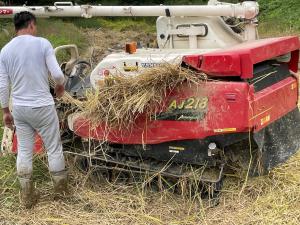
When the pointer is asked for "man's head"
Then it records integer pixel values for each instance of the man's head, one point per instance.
(25, 23)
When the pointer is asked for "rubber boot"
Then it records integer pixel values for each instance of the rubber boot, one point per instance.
(60, 184)
(29, 195)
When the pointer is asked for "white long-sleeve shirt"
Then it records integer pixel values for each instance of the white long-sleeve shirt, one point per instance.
(25, 63)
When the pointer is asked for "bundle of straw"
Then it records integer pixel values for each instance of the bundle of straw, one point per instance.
(67, 98)
(121, 99)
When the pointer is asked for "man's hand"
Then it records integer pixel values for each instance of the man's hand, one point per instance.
(8, 119)
(59, 90)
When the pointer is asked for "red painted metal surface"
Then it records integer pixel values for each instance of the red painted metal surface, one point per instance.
(6, 11)
(227, 111)
(38, 144)
(273, 102)
(239, 59)
(232, 107)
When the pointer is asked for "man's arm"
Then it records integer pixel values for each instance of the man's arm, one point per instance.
(4, 95)
(4, 85)
(54, 69)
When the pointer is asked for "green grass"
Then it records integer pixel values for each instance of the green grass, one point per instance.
(5, 26)
(9, 187)
(61, 32)
(279, 18)
(116, 23)
(58, 32)
(1, 125)
(8, 182)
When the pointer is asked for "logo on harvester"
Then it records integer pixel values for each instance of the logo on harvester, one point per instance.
(6, 11)
(150, 65)
(190, 109)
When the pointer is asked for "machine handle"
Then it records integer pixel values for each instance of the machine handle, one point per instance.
(63, 4)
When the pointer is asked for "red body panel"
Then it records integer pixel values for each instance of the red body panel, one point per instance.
(225, 101)
(38, 145)
(232, 106)
(239, 60)
(273, 102)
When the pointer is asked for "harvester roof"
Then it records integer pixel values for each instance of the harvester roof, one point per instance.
(239, 60)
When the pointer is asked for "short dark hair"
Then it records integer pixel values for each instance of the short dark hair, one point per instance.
(23, 19)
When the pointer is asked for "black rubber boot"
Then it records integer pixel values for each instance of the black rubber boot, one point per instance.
(60, 184)
(29, 195)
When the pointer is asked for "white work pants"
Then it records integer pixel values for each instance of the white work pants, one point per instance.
(44, 121)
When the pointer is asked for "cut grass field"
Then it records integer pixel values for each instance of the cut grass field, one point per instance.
(268, 200)
(1, 125)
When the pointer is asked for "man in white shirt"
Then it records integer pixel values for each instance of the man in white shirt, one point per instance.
(25, 63)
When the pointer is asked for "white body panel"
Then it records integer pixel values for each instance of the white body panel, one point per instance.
(133, 64)
(247, 10)
(218, 34)
(175, 40)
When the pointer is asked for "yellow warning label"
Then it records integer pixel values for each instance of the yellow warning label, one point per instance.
(265, 120)
(130, 68)
(225, 130)
(176, 148)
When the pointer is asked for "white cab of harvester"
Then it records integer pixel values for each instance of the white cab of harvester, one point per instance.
(176, 36)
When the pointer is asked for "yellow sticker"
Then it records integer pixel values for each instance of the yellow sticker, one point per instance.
(176, 148)
(265, 120)
(130, 68)
(225, 130)
(293, 86)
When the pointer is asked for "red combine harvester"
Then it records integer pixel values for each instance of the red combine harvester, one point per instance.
(245, 113)
(251, 97)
